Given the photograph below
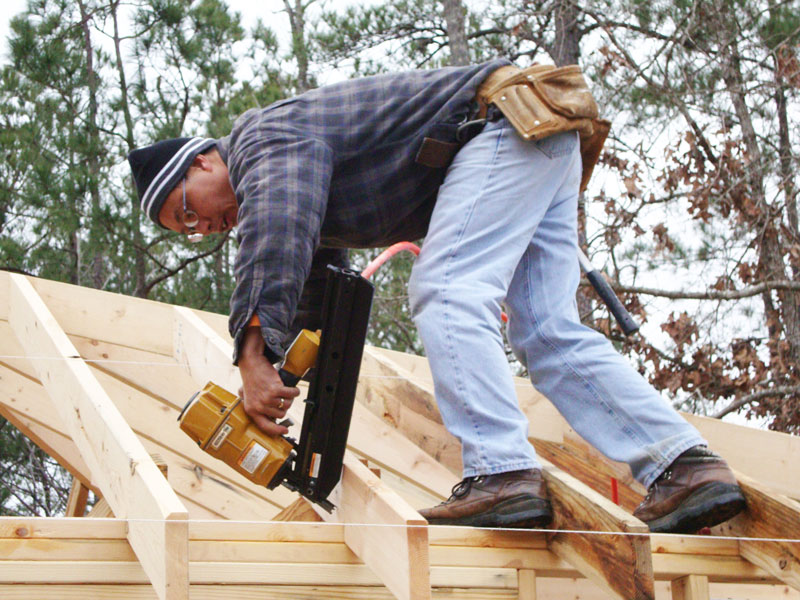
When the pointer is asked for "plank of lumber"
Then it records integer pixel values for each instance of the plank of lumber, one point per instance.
(106, 316)
(526, 583)
(691, 587)
(408, 406)
(122, 468)
(194, 474)
(385, 532)
(776, 464)
(591, 472)
(544, 421)
(101, 510)
(249, 592)
(772, 518)
(299, 510)
(620, 563)
(717, 568)
(76, 502)
(405, 570)
(547, 588)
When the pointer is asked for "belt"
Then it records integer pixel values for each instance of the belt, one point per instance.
(438, 154)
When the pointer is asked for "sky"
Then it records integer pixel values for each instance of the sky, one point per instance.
(268, 10)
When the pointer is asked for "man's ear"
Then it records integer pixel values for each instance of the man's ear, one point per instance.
(202, 162)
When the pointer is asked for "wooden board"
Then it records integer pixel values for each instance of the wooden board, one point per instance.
(770, 518)
(622, 563)
(384, 531)
(122, 468)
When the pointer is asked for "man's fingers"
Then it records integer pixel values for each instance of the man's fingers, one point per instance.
(269, 426)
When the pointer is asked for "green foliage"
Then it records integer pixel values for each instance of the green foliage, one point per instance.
(32, 483)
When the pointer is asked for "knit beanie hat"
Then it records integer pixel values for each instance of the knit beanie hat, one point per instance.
(158, 168)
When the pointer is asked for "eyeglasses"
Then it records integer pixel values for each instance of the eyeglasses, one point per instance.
(190, 219)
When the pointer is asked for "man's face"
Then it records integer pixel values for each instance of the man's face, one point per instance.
(208, 194)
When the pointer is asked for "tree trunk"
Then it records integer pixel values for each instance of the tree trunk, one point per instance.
(297, 21)
(770, 252)
(454, 18)
(140, 273)
(92, 157)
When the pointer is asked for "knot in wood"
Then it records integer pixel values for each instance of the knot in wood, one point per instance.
(22, 532)
(783, 563)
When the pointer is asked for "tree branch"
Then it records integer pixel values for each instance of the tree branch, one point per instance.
(781, 390)
(747, 292)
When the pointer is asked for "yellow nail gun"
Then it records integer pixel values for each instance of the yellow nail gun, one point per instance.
(215, 418)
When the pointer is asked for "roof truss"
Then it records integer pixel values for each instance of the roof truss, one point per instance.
(99, 387)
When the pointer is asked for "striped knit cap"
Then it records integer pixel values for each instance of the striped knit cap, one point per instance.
(158, 168)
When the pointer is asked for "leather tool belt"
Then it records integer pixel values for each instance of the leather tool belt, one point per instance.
(539, 101)
(543, 100)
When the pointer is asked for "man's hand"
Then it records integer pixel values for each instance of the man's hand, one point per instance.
(264, 396)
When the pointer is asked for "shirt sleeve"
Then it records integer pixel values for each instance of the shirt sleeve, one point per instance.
(281, 184)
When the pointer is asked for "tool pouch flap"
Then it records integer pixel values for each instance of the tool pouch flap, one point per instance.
(542, 100)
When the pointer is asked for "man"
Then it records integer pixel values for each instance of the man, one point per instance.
(367, 163)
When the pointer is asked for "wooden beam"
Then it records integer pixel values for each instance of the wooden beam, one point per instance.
(101, 510)
(385, 532)
(691, 587)
(776, 464)
(76, 502)
(606, 544)
(402, 563)
(620, 563)
(526, 582)
(590, 470)
(769, 519)
(206, 355)
(299, 510)
(408, 405)
(122, 468)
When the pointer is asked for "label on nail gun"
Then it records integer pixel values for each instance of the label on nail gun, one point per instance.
(253, 457)
(313, 470)
(221, 435)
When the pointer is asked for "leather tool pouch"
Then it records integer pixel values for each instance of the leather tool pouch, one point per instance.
(543, 100)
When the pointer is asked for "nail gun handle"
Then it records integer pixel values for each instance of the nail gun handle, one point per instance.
(616, 307)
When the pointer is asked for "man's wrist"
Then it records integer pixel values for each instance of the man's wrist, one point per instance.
(252, 345)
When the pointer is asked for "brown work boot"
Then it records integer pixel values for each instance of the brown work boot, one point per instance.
(512, 499)
(697, 490)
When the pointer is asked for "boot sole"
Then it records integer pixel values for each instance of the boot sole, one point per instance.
(710, 505)
(522, 512)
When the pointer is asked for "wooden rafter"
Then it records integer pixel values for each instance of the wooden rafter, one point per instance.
(621, 564)
(122, 468)
(362, 499)
(138, 371)
(770, 518)
(775, 465)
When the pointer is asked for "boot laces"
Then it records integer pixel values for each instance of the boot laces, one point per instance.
(463, 487)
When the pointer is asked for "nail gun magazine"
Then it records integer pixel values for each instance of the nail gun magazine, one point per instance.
(312, 465)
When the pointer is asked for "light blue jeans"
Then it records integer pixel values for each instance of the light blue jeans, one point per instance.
(504, 231)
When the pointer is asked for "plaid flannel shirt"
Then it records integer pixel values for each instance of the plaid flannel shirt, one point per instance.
(331, 169)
